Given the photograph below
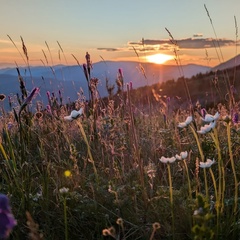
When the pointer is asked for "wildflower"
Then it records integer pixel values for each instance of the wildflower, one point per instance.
(207, 164)
(64, 190)
(38, 115)
(198, 211)
(48, 95)
(2, 97)
(227, 119)
(119, 221)
(156, 226)
(209, 118)
(186, 123)
(150, 170)
(120, 72)
(167, 160)
(235, 118)
(10, 125)
(67, 173)
(7, 220)
(207, 127)
(183, 155)
(74, 115)
(29, 98)
(48, 108)
(32, 95)
(105, 232)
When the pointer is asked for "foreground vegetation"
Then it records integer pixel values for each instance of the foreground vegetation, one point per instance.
(121, 169)
(155, 163)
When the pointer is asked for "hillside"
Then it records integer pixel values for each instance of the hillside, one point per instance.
(208, 89)
(70, 79)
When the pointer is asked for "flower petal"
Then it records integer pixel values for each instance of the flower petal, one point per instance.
(188, 120)
(184, 154)
(68, 118)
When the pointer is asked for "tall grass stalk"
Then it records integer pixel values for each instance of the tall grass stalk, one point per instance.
(233, 169)
(221, 59)
(221, 171)
(217, 204)
(65, 217)
(202, 157)
(181, 72)
(189, 182)
(136, 148)
(91, 160)
(171, 198)
(206, 183)
(198, 143)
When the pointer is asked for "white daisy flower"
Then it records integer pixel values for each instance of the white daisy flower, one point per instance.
(74, 115)
(186, 123)
(167, 160)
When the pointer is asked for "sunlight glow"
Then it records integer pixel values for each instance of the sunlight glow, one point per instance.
(159, 58)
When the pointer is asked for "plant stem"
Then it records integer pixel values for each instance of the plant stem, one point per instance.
(136, 148)
(171, 196)
(206, 184)
(65, 217)
(233, 169)
(88, 148)
(217, 200)
(198, 142)
(189, 183)
(221, 171)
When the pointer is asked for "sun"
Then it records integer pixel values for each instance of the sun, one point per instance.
(159, 58)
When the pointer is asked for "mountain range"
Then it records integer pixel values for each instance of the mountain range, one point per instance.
(70, 79)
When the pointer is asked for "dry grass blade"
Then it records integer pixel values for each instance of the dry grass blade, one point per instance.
(45, 56)
(49, 52)
(17, 49)
(24, 49)
(34, 228)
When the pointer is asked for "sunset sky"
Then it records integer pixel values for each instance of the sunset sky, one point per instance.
(111, 30)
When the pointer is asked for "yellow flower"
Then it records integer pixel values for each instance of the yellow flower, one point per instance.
(67, 173)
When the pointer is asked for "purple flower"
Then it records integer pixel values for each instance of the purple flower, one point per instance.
(29, 98)
(120, 72)
(235, 118)
(32, 95)
(7, 220)
(49, 109)
(48, 94)
(131, 85)
(203, 112)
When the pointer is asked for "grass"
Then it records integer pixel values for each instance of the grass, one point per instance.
(100, 177)
(114, 172)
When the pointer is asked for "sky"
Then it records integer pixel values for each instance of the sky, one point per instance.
(62, 31)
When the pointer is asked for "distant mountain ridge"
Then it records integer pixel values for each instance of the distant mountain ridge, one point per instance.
(235, 61)
(69, 79)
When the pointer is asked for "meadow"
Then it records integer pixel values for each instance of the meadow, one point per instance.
(116, 169)
(119, 167)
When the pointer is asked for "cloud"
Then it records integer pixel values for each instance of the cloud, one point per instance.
(187, 43)
(109, 49)
(3, 41)
(198, 35)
